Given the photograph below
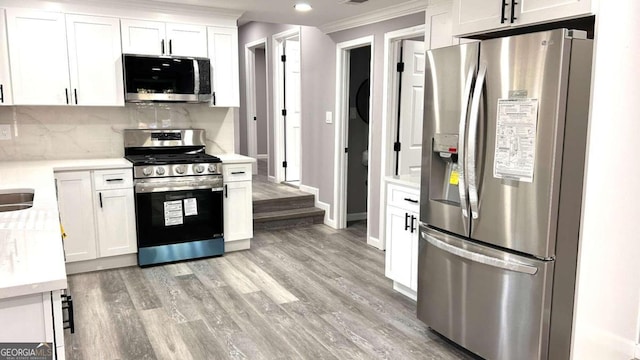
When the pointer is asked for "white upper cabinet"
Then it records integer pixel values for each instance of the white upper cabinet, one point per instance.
(159, 38)
(223, 52)
(143, 37)
(38, 55)
(95, 60)
(58, 60)
(5, 76)
(438, 27)
(479, 16)
(187, 40)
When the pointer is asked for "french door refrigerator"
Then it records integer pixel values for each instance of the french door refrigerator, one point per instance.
(504, 139)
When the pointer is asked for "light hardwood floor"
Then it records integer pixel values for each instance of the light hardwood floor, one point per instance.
(308, 293)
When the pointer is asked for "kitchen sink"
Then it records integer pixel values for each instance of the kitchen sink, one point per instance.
(16, 199)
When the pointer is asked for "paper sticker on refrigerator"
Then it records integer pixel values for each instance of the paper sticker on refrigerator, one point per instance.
(515, 149)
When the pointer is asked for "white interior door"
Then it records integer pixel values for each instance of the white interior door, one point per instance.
(411, 107)
(292, 99)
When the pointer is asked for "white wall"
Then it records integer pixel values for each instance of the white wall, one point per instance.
(608, 288)
(64, 132)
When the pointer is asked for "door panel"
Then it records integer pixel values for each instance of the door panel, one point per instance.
(411, 107)
(448, 78)
(493, 303)
(187, 40)
(143, 37)
(292, 95)
(514, 214)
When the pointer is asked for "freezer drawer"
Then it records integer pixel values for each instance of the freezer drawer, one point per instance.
(491, 302)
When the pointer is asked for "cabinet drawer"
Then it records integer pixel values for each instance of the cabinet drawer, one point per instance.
(403, 197)
(113, 179)
(236, 172)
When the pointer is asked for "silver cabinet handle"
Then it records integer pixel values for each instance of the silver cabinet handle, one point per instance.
(462, 129)
(473, 131)
(480, 258)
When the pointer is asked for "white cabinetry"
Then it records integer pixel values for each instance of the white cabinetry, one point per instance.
(438, 27)
(159, 38)
(223, 52)
(59, 60)
(401, 257)
(478, 16)
(95, 60)
(5, 76)
(75, 203)
(114, 212)
(98, 214)
(33, 318)
(238, 206)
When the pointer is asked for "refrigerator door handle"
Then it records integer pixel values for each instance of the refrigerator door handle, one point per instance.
(480, 258)
(462, 130)
(473, 130)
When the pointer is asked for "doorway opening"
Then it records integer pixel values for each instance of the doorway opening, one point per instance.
(354, 79)
(258, 121)
(287, 107)
(358, 134)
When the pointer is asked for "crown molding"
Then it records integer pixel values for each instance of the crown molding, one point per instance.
(391, 12)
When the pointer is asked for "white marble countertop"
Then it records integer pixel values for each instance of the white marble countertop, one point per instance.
(31, 251)
(412, 181)
(235, 158)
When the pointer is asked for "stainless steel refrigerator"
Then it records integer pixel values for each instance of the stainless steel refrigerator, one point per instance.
(504, 139)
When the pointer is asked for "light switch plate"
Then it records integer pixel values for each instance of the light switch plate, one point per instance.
(5, 132)
(328, 117)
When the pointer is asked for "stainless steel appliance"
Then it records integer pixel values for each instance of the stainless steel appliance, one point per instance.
(178, 195)
(166, 78)
(504, 140)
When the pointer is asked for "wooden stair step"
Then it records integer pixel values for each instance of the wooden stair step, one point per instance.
(283, 203)
(283, 219)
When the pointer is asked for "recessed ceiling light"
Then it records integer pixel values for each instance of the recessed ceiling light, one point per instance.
(302, 7)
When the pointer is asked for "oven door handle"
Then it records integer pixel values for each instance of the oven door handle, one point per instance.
(152, 188)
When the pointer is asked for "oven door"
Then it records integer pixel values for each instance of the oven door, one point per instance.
(178, 211)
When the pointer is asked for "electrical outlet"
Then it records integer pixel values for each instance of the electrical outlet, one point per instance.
(328, 117)
(5, 132)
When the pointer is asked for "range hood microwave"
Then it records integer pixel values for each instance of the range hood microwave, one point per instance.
(166, 79)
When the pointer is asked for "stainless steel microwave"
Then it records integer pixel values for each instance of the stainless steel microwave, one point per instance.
(166, 78)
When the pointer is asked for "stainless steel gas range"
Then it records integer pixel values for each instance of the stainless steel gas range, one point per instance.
(178, 195)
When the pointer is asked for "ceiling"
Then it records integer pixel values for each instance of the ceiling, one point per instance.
(281, 11)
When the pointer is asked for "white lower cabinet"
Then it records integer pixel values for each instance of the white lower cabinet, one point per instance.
(98, 213)
(238, 206)
(34, 318)
(401, 257)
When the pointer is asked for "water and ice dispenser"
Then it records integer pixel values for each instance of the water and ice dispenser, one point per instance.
(445, 169)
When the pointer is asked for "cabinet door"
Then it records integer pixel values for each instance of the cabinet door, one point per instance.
(223, 52)
(536, 11)
(5, 78)
(143, 37)
(38, 54)
(238, 211)
(186, 40)
(75, 202)
(95, 60)
(438, 28)
(115, 216)
(399, 247)
(415, 240)
(474, 16)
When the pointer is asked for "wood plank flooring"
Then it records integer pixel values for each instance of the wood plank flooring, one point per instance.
(307, 293)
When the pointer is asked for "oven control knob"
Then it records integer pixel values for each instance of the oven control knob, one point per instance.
(160, 171)
(213, 168)
(180, 169)
(198, 168)
(147, 171)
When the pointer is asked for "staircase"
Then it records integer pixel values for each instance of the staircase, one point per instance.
(291, 209)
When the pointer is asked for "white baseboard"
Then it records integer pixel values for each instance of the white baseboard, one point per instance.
(319, 204)
(271, 179)
(111, 262)
(376, 243)
(236, 245)
(405, 291)
(357, 216)
(262, 156)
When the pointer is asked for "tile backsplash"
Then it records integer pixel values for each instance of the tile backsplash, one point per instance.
(62, 132)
